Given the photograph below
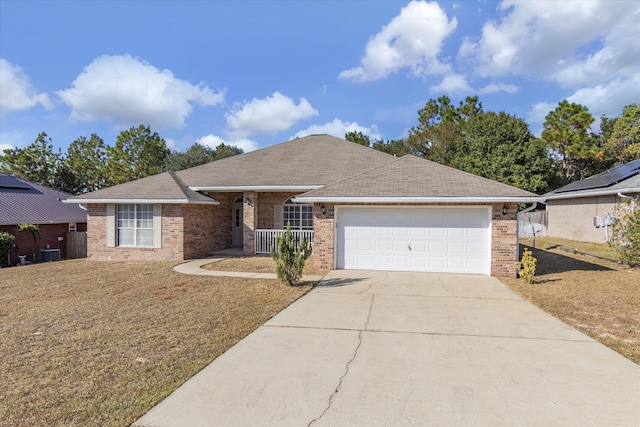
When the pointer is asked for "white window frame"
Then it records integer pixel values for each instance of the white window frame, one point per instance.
(142, 213)
(298, 215)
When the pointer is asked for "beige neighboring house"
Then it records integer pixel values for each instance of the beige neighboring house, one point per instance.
(361, 208)
(583, 210)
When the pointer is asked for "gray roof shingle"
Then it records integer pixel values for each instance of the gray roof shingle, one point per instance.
(313, 162)
(35, 204)
(411, 176)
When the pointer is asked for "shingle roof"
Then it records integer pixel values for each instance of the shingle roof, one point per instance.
(164, 187)
(312, 160)
(413, 177)
(25, 201)
(311, 163)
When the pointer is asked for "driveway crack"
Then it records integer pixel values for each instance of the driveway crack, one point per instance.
(386, 276)
(346, 371)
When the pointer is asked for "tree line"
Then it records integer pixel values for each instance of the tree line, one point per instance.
(501, 147)
(89, 164)
(494, 145)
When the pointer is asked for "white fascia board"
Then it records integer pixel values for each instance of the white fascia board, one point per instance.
(258, 188)
(576, 195)
(417, 199)
(146, 201)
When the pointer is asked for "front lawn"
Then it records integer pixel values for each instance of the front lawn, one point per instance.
(599, 298)
(258, 264)
(89, 343)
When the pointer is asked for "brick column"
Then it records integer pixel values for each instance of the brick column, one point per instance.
(249, 222)
(503, 240)
(323, 229)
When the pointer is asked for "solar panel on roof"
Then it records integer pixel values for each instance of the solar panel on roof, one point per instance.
(604, 179)
(9, 181)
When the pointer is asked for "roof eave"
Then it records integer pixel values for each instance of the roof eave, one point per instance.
(452, 199)
(258, 188)
(152, 201)
(581, 194)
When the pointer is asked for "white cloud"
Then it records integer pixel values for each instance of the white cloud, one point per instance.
(610, 98)
(499, 87)
(453, 84)
(16, 90)
(213, 141)
(338, 128)
(413, 40)
(129, 91)
(5, 147)
(171, 143)
(270, 115)
(572, 43)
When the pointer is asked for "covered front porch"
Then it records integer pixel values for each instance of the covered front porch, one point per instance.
(266, 239)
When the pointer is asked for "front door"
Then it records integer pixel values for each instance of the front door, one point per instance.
(237, 223)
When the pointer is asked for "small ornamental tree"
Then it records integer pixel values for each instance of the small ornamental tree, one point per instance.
(527, 266)
(625, 231)
(290, 254)
(6, 245)
(35, 233)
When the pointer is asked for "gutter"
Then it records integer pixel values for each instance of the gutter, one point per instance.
(576, 195)
(150, 201)
(417, 199)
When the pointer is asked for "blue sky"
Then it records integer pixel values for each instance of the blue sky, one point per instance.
(255, 73)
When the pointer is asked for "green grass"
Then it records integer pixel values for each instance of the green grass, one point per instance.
(599, 249)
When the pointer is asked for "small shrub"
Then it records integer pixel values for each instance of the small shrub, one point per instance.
(527, 266)
(625, 232)
(6, 245)
(290, 256)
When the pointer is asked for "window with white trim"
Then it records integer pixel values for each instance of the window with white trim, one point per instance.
(298, 216)
(135, 225)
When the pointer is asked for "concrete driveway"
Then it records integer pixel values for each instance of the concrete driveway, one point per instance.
(396, 349)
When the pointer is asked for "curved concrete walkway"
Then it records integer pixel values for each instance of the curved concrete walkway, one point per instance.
(195, 267)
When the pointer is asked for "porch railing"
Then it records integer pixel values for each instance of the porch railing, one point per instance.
(266, 239)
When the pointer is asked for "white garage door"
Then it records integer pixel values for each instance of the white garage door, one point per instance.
(435, 239)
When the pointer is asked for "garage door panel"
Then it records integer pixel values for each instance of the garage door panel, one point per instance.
(447, 239)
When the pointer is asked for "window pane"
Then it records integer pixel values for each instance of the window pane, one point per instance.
(125, 237)
(144, 237)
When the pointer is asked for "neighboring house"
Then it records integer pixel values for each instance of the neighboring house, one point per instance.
(23, 201)
(363, 209)
(583, 210)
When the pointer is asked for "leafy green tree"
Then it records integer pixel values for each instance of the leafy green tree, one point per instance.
(500, 146)
(198, 154)
(36, 162)
(6, 246)
(358, 137)
(566, 130)
(624, 141)
(440, 124)
(395, 147)
(85, 164)
(136, 154)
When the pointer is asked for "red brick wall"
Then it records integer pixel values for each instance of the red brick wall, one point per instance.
(207, 228)
(503, 237)
(26, 245)
(265, 208)
(97, 249)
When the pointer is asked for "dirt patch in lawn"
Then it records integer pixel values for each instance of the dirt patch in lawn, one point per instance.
(90, 343)
(258, 264)
(599, 298)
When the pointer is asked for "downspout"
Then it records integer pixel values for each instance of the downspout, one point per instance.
(633, 201)
(529, 209)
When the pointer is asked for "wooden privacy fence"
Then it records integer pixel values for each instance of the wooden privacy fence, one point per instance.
(527, 218)
(77, 244)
